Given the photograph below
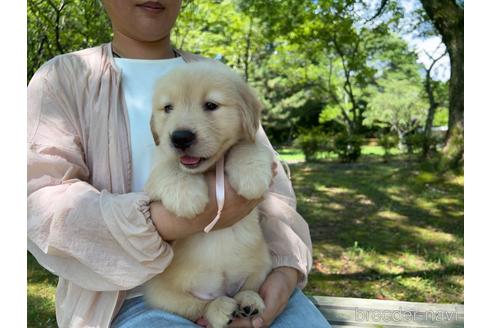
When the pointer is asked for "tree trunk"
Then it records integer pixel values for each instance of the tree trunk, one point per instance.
(454, 148)
(401, 139)
(247, 50)
(432, 108)
(448, 18)
(428, 131)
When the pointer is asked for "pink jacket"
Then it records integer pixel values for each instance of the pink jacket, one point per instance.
(84, 224)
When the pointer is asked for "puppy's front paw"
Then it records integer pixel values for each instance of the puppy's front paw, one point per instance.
(250, 304)
(249, 169)
(219, 312)
(187, 197)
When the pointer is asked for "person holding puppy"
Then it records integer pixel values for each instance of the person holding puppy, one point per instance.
(88, 152)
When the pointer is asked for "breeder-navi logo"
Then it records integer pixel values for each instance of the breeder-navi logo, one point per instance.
(401, 315)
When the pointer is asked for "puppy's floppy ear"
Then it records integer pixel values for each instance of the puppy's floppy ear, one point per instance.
(250, 107)
(154, 131)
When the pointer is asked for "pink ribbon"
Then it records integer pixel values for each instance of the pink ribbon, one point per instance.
(219, 192)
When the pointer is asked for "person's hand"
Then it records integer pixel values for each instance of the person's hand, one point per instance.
(235, 208)
(275, 291)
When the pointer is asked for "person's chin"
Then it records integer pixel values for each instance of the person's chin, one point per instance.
(153, 36)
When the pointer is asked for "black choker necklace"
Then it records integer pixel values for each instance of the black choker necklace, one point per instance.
(117, 55)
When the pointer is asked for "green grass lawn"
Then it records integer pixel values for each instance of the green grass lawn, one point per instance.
(385, 231)
(41, 286)
(379, 230)
(295, 155)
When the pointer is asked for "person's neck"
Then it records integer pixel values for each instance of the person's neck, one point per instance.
(126, 47)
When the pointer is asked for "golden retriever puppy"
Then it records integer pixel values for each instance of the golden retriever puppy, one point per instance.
(202, 111)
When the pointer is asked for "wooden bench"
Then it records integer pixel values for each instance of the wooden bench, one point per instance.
(357, 312)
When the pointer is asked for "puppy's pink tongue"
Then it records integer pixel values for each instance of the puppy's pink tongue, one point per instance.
(189, 160)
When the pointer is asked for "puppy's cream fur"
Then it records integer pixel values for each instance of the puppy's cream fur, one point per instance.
(219, 273)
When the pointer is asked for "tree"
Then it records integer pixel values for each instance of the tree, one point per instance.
(447, 16)
(348, 49)
(223, 30)
(59, 26)
(397, 102)
(232, 32)
(312, 62)
(430, 89)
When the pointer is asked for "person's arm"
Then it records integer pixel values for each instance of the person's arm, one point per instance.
(235, 208)
(286, 232)
(97, 239)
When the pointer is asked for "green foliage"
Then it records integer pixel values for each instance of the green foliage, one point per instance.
(330, 113)
(312, 63)
(311, 142)
(59, 26)
(441, 117)
(347, 147)
(397, 103)
(388, 142)
(414, 142)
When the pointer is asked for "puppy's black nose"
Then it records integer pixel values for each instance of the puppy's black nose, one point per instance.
(182, 139)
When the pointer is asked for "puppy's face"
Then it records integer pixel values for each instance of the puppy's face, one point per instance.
(199, 111)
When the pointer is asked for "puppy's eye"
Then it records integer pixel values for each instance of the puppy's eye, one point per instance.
(168, 108)
(210, 106)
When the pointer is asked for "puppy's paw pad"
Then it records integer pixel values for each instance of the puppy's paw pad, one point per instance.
(250, 304)
(220, 311)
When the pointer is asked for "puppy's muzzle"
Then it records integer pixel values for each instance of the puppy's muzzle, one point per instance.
(183, 139)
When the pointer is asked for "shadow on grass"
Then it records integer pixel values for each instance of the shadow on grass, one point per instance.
(40, 312)
(376, 275)
(363, 190)
(37, 274)
(395, 214)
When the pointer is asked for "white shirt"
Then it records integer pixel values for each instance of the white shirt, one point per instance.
(138, 79)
